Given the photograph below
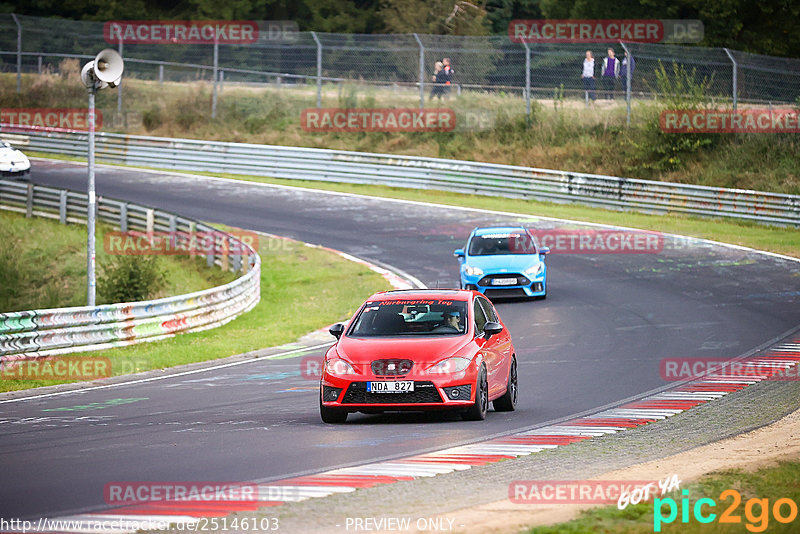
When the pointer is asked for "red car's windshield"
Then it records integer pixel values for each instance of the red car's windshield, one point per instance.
(429, 317)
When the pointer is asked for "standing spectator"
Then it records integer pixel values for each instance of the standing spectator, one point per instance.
(623, 71)
(448, 75)
(610, 74)
(587, 75)
(438, 80)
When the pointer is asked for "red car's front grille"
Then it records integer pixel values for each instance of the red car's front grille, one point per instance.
(391, 367)
(424, 392)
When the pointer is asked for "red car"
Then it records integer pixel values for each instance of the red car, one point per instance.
(420, 350)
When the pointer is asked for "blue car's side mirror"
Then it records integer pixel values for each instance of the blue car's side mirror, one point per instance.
(459, 253)
(544, 250)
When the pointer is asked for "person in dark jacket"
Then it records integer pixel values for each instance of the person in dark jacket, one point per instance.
(623, 71)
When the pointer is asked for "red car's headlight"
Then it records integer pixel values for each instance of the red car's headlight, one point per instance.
(339, 367)
(450, 365)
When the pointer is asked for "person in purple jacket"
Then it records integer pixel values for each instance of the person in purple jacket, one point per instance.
(610, 74)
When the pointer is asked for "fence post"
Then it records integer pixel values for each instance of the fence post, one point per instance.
(19, 52)
(527, 82)
(421, 72)
(160, 74)
(319, 69)
(221, 80)
(39, 64)
(214, 74)
(627, 84)
(119, 87)
(735, 89)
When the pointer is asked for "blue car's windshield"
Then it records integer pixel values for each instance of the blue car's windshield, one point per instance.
(429, 317)
(501, 243)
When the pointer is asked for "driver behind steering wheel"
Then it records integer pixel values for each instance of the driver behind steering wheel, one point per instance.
(451, 322)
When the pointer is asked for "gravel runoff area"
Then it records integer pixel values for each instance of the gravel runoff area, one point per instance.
(477, 498)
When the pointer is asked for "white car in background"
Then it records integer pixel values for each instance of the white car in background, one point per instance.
(12, 161)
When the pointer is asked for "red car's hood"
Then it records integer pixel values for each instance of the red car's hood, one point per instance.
(427, 349)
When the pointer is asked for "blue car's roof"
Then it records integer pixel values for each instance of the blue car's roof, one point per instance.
(483, 230)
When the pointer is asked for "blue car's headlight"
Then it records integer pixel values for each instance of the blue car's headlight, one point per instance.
(535, 270)
(473, 271)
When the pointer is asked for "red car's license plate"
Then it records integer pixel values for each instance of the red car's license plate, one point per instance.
(394, 386)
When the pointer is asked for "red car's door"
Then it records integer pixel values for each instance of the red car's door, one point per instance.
(488, 348)
(501, 350)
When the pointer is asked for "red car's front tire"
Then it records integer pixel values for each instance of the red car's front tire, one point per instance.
(477, 412)
(331, 416)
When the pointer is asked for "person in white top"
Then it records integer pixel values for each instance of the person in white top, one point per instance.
(588, 75)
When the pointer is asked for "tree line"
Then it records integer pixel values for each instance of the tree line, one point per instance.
(757, 26)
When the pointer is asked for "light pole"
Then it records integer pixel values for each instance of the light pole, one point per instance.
(104, 71)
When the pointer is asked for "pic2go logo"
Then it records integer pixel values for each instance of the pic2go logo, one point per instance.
(756, 511)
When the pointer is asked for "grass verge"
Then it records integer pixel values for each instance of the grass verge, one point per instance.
(43, 265)
(766, 485)
(302, 289)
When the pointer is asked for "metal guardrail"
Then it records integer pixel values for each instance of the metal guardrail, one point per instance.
(423, 173)
(35, 333)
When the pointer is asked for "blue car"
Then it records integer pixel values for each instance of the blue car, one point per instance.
(503, 261)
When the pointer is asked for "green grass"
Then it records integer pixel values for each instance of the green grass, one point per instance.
(773, 483)
(43, 265)
(563, 134)
(302, 289)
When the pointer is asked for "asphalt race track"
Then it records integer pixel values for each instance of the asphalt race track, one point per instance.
(599, 337)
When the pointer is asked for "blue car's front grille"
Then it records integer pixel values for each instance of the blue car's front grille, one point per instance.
(489, 280)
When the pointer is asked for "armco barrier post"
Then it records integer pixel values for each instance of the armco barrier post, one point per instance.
(62, 207)
(29, 202)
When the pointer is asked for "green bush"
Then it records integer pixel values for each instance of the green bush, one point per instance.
(677, 89)
(130, 278)
(152, 118)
